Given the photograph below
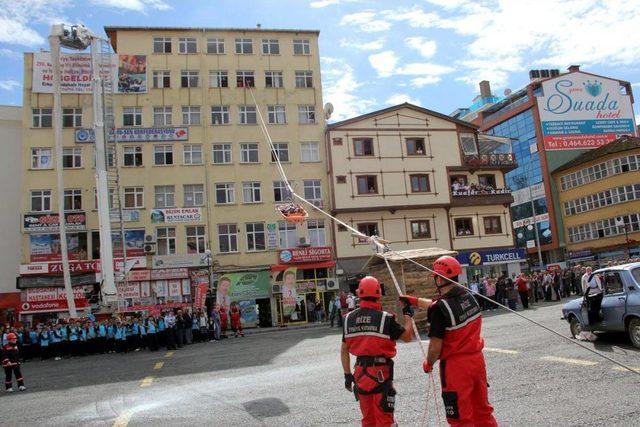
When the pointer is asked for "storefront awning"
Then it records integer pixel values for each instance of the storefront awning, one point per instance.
(323, 264)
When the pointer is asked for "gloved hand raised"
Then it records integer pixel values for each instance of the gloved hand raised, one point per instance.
(348, 381)
(409, 300)
(427, 367)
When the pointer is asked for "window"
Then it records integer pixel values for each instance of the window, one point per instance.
(133, 156)
(488, 180)
(301, 47)
(165, 196)
(492, 225)
(225, 193)
(161, 79)
(244, 46)
(247, 114)
(420, 183)
(270, 47)
(251, 192)
(134, 197)
(162, 45)
(111, 198)
(192, 154)
(71, 158)
(367, 184)
(612, 283)
(306, 114)
(219, 115)
(73, 199)
(280, 191)
(276, 115)
(196, 239)
(363, 146)
(215, 46)
(304, 79)
(421, 229)
(249, 153)
(368, 229)
(282, 150)
(273, 79)
(40, 200)
(341, 179)
(218, 78)
(309, 152)
(162, 116)
(187, 45)
(72, 117)
(287, 235)
(468, 143)
(193, 195)
(163, 155)
(245, 79)
(42, 117)
(463, 226)
(228, 238)
(221, 154)
(313, 191)
(190, 115)
(317, 236)
(132, 116)
(255, 236)
(415, 146)
(166, 240)
(189, 78)
(41, 158)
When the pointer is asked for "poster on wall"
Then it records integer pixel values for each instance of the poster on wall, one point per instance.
(289, 293)
(583, 111)
(49, 222)
(233, 287)
(175, 215)
(248, 313)
(75, 72)
(47, 247)
(132, 73)
(135, 243)
(272, 236)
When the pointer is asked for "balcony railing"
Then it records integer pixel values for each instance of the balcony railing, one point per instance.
(480, 195)
(504, 160)
(479, 192)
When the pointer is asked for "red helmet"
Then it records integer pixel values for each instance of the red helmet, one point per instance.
(369, 288)
(12, 337)
(447, 266)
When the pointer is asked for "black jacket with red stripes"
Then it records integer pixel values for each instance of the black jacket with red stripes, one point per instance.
(10, 356)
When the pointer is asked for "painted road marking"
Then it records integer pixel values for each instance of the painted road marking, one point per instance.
(123, 419)
(501, 350)
(569, 361)
(620, 368)
(158, 365)
(147, 381)
(169, 354)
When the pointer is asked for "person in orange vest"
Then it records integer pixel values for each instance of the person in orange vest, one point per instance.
(11, 363)
(236, 324)
(455, 323)
(370, 334)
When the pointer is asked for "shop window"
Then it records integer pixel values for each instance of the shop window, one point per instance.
(363, 146)
(415, 146)
(421, 229)
(367, 184)
(492, 225)
(463, 226)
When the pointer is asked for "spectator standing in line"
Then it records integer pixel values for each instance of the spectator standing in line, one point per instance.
(224, 321)
(45, 340)
(337, 302)
(236, 322)
(187, 330)
(162, 330)
(344, 306)
(215, 316)
(180, 326)
(351, 302)
(171, 330)
(556, 285)
(500, 288)
(491, 291)
(152, 334)
(522, 284)
(512, 293)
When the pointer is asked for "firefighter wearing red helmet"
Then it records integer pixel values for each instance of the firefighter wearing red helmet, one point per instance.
(11, 363)
(455, 320)
(370, 334)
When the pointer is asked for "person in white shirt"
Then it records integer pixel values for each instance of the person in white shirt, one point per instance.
(594, 284)
(351, 302)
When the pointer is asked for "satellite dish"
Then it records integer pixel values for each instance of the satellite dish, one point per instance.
(328, 110)
(507, 92)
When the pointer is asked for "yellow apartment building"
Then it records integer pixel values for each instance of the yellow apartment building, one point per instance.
(196, 172)
(418, 179)
(600, 202)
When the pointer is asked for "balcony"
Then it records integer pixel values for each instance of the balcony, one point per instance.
(503, 161)
(480, 196)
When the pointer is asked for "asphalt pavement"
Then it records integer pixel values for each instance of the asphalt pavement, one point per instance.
(294, 378)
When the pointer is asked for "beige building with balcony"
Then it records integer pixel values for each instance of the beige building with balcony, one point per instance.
(196, 171)
(418, 179)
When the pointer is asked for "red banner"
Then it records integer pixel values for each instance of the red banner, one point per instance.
(154, 310)
(200, 295)
(50, 306)
(302, 255)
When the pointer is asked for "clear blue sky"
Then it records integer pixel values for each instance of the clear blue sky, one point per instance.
(376, 53)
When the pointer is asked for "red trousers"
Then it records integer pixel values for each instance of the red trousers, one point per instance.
(377, 408)
(464, 391)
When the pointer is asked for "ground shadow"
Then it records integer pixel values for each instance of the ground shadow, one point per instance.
(265, 408)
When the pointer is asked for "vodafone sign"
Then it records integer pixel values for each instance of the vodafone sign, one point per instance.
(50, 306)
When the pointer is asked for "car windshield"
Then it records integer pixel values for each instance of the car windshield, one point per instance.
(636, 274)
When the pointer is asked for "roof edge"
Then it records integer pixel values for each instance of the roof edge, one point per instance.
(256, 30)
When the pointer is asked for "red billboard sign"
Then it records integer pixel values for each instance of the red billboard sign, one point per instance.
(302, 255)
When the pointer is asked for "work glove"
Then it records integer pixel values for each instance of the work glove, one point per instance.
(427, 367)
(348, 381)
(409, 300)
(407, 310)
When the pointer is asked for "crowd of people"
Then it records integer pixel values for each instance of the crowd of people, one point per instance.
(172, 329)
(460, 186)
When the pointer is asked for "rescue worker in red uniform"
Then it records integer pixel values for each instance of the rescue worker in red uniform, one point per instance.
(455, 320)
(224, 322)
(236, 324)
(11, 363)
(370, 334)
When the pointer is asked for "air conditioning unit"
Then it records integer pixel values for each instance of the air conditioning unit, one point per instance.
(332, 285)
(317, 203)
(150, 238)
(303, 242)
(277, 289)
(150, 248)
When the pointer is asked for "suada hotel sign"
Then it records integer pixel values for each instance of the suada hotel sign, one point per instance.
(302, 255)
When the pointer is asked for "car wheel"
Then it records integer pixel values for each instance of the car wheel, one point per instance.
(634, 332)
(575, 327)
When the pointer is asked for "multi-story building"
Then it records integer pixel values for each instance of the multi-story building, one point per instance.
(600, 202)
(10, 241)
(418, 179)
(552, 120)
(196, 171)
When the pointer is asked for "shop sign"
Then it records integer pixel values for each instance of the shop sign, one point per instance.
(138, 275)
(55, 281)
(128, 215)
(49, 293)
(177, 261)
(302, 255)
(168, 134)
(583, 111)
(272, 236)
(526, 221)
(49, 222)
(200, 295)
(175, 288)
(169, 274)
(580, 254)
(75, 72)
(128, 290)
(304, 287)
(56, 267)
(525, 195)
(176, 215)
(51, 306)
(493, 256)
(242, 286)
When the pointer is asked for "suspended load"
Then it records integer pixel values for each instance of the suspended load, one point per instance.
(292, 213)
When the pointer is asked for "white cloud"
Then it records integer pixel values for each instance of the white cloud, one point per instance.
(424, 68)
(399, 98)
(419, 82)
(416, 17)
(637, 84)
(323, 3)
(370, 45)
(427, 48)
(340, 87)
(365, 21)
(10, 53)
(135, 5)
(9, 85)
(384, 62)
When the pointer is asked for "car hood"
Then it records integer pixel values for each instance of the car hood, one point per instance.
(573, 304)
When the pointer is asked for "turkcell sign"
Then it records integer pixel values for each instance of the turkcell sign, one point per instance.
(491, 256)
(583, 111)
